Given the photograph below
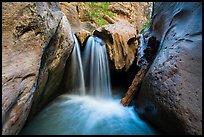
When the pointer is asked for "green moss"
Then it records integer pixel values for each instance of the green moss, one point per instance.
(97, 10)
(145, 25)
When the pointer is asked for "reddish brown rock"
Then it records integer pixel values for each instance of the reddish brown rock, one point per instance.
(71, 12)
(36, 41)
(121, 43)
(75, 12)
(136, 13)
(82, 35)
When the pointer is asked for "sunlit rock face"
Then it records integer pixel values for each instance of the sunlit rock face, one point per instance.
(121, 43)
(82, 36)
(70, 11)
(36, 41)
(76, 14)
(171, 92)
(136, 13)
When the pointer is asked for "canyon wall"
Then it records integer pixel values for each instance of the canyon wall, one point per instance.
(171, 93)
(36, 42)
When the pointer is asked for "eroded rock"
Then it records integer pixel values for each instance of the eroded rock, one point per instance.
(75, 12)
(171, 92)
(71, 11)
(121, 43)
(82, 35)
(36, 41)
(136, 13)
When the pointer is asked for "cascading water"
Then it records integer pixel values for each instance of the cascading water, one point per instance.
(96, 112)
(75, 75)
(96, 68)
(142, 46)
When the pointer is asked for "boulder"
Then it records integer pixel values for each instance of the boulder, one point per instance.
(171, 92)
(82, 35)
(121, 43)
(36, 42)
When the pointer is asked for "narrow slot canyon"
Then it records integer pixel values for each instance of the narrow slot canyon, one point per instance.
(102, 68)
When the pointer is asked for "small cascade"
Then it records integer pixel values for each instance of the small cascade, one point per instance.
(141, 48)
(151, 9)
(75, 76)
(96, 68)
(91, 110)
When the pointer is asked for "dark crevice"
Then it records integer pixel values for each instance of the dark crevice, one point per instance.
(104, 35)
(131, 41)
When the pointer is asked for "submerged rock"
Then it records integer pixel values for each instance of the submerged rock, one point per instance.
(36, 42)
(121, 43)
(171, 92)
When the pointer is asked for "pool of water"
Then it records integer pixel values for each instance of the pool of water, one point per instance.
(87, 115)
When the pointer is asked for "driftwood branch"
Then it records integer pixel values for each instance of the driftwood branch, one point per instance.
(109, 19)
(134, 86)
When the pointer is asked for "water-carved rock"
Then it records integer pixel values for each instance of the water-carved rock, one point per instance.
(82, 35)
(121, 43)
(36, 42)
(136, 13)
(171, 92)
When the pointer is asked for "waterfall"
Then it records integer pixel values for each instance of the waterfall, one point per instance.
(91, 110)
(96, 68)
(151, 8)
(75, 75)
(93, 68)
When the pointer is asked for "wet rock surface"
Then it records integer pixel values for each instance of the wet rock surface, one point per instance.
(36, 41)
(171, 93)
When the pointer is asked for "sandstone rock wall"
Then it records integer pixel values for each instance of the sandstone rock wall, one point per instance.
(36, 41)
(121, 43)
(121, 54)
(136, 13)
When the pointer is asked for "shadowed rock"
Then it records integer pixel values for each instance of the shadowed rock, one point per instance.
(171, 92)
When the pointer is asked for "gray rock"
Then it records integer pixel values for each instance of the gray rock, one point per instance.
(171, 92)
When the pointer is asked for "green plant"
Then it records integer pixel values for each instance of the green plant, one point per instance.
(145, 25)
(96, 10)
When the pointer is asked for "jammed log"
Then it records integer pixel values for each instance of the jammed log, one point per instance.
(134, 86)
(109, 19)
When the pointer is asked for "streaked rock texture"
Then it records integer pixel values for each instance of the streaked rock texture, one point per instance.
(36, 42)
(171, 92)
(136, 13)
(121, 43)
(77, 17)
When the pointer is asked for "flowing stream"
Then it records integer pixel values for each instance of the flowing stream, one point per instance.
(91, 110)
